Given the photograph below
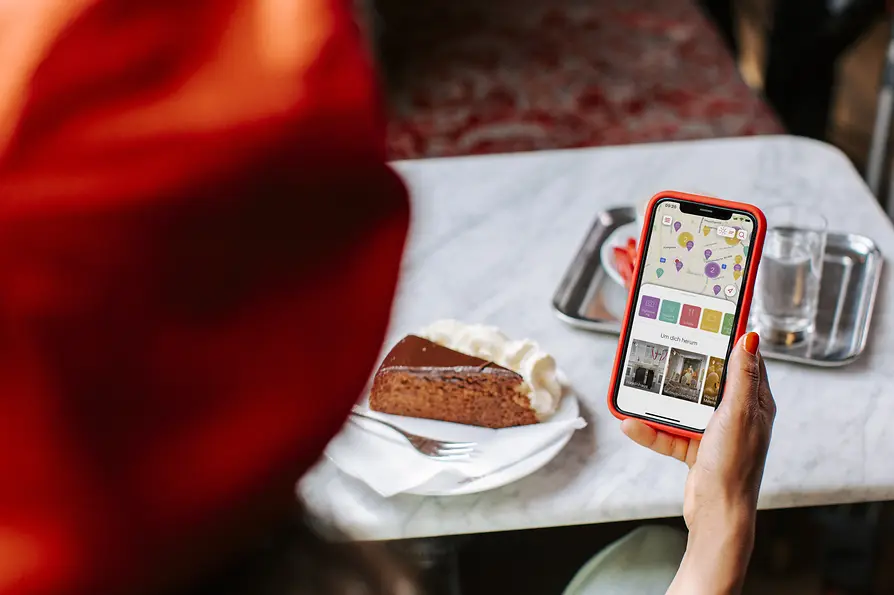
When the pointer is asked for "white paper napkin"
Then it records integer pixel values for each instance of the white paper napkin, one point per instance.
(386, 462)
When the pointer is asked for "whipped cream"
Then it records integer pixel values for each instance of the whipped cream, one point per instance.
(524, 357)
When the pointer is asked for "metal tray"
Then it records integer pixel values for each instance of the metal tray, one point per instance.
(588, 298)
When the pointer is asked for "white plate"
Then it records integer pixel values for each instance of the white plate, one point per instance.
(448, 484)
(568, 410)
(617, 238)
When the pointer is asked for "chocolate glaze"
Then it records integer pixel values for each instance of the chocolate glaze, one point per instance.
(416, 353)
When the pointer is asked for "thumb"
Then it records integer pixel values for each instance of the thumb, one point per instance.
(741, 394)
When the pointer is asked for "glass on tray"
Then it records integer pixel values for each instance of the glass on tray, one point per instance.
(788, 281)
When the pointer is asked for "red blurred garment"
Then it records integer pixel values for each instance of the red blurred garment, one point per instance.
(199, 242)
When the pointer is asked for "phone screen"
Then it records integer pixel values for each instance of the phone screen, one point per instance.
(687, 306)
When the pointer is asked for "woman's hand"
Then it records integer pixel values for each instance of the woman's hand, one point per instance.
(725, 470)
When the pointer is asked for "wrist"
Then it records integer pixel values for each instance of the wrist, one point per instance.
(730, 521)
(717, 553)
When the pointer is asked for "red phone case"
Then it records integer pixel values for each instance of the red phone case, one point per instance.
(747, 289)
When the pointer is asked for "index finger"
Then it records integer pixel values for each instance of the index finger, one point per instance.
(743, 379)
(765, 395)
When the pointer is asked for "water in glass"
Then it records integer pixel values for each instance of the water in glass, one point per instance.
(789, 282)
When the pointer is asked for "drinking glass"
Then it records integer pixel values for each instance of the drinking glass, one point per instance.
(789, 279)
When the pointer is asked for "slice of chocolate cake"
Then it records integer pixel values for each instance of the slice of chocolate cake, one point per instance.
(419, 378)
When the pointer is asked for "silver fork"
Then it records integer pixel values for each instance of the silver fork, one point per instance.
(440, 450)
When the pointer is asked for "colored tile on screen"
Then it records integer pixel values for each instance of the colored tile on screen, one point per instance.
(648, 307)
(689, 315)
(711, 320)
(727, 327)
(670, 311)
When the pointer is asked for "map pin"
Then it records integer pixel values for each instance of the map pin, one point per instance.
(659, 272)
(737, 267)
(678, 264)
(708, 254)
(716, 289)
(706, 230)
(676, 226)
(689, 245)
(738, 259)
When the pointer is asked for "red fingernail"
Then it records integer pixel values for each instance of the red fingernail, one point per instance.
(752, 341)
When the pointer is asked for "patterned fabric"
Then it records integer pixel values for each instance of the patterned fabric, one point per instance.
(515, 75)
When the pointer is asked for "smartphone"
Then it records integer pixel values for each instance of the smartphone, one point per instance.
(688, 305)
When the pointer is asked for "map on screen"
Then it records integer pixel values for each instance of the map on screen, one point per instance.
(697, 254)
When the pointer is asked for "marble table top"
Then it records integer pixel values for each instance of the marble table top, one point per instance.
(492, 236)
